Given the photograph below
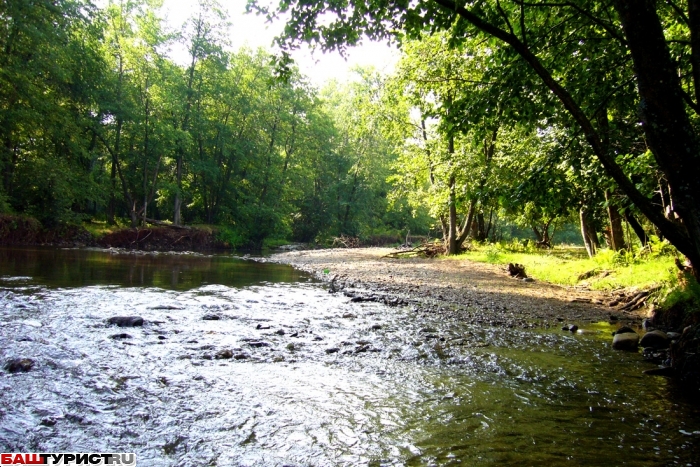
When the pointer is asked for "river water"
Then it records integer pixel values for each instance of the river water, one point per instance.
(308, 378)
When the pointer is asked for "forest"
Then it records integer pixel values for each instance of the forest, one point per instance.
(501, 118)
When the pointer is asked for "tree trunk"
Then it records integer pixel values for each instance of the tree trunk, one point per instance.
(177, 220)
(636, 226)
(587, 234)
(665, 122)
(452, 235)
(617, 238)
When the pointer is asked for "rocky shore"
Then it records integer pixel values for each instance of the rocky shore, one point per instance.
(480, 292)
(486, 294)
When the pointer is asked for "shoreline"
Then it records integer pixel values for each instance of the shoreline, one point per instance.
(480, 292)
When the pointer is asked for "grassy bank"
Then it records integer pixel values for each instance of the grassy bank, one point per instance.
(566, 265)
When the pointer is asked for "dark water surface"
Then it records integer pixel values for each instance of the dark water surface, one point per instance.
(314, 379)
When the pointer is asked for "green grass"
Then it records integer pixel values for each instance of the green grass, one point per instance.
(564, 265)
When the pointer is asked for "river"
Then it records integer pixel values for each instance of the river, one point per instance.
(283, 373)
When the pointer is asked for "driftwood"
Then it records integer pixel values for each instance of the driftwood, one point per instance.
(346, 242)
(424, 250)
(516, 270)
(165, 224)
(633, 301)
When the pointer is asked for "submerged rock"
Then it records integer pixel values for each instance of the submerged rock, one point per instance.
(625, 341)
(19, 365)
(126, 321)
(655, 339)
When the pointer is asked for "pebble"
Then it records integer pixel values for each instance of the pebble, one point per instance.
(126, 321)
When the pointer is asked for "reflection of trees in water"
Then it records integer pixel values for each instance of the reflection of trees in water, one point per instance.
(66, 267)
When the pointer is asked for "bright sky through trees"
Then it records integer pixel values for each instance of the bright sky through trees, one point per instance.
(253, 31)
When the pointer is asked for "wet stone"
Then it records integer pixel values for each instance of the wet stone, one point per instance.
(241, 356)
(569, 327)
(376, 327)
(260, 326)
(625, 341)
(162, 337)
(348, 315)
(332, 350)
(211, 317)
(625, 329)
(19, 365)
(280, 332)
(126, 321)
(121, 335)
(318, 338)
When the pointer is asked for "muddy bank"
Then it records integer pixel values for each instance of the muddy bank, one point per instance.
(163, 239)
(24, 231)
(478, 292)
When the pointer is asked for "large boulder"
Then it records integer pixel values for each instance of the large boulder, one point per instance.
(626, 341)
(655, 339)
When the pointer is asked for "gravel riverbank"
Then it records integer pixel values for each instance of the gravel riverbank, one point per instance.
(480, 292)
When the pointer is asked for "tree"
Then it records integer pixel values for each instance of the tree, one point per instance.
(564, 45)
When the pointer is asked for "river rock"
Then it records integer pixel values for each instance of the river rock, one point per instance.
(211, 317)
(625, 341)
(655, 339)
(126, 321)
(673, 335)
(332, 350)
(19, 365)
(569, 327)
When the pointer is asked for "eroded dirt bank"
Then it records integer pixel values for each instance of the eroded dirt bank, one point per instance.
(480, 292)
